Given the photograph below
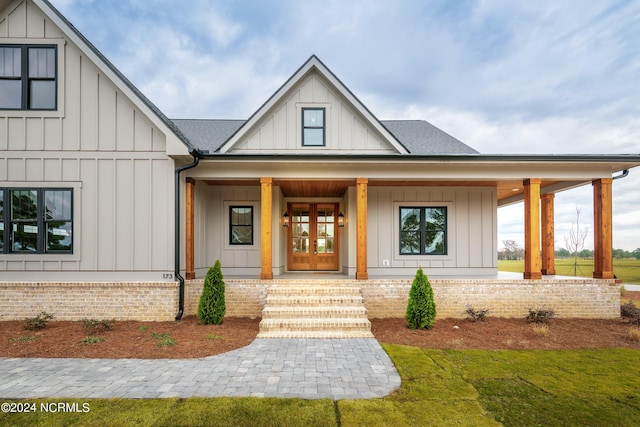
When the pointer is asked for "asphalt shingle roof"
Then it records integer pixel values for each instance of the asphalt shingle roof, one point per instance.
(418, 136)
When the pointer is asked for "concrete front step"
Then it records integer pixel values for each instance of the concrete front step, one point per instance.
(308, 328)
(324, 334)
(314, 290)
(314, 311)
(322, 312)
(294, 300)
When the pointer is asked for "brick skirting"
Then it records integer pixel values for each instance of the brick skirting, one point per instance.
(153, 301)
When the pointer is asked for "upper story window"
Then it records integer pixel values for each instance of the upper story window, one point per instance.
(28, 77)
(423, 230)
(36, 220)
(313, 127)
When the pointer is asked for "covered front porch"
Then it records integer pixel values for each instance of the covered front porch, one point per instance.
(364, 243)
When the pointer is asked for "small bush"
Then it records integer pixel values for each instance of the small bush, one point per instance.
(540, 315)
(91, 340)
(474, 315)
(634, 334)
(541, 330)
(163, 340)
(421, 308)
(38, 322)
(94, 324)
(630, 312)
(212, 307)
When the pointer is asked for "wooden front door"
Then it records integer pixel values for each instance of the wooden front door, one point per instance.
(313, 237)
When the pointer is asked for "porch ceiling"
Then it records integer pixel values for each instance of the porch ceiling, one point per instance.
(301, 188)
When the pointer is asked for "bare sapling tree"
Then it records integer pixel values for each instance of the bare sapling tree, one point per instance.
(574, 242)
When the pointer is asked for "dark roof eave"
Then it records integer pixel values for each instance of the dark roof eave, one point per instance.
(583, 158)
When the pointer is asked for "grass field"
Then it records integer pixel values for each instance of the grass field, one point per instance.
(439, 388)
(627, 270)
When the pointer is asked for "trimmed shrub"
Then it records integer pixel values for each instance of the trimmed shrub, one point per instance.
(421, 308)
(541, 315)
(212, 307)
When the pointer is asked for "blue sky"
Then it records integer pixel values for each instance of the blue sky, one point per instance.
(515, 77)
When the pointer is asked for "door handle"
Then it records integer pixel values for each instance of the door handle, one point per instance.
(315, 247)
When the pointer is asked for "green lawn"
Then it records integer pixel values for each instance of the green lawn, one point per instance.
(628, 270)
(439, 388)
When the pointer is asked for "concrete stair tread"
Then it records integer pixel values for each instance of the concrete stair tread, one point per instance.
(325, 334)
(314, 299)
(314, 311)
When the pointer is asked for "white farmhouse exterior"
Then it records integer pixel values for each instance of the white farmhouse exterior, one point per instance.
(100, 190)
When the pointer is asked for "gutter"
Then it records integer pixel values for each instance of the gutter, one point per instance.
(196, 158)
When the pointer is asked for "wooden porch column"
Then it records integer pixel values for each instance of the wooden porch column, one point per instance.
(189, 249)
(548, 235)
(602, 229)
(361, 229)
(532, 229)
(266, 202)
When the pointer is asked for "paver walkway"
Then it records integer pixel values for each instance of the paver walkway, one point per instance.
(304, 368)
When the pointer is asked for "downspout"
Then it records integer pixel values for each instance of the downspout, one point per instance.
(624, 173)
(196, 158)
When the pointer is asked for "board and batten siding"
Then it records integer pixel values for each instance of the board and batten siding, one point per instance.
(212, 229)
(471, 227)
(98, 143)
(281, 129)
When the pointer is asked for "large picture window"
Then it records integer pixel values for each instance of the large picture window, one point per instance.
(28, 77)
(423, 230)
(313, 127)
(241, 225)
(36, 220)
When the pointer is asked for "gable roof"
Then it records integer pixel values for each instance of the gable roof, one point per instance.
(418, 136)
(129, 89)
(313, 64)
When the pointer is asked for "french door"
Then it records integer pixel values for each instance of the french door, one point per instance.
(313, 237)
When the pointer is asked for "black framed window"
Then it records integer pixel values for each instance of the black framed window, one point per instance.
(36, 220)
(28, 77)
(423, 230)
(313, 127)
(241, 225)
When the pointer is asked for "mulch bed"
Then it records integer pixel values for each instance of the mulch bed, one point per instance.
(132, 339)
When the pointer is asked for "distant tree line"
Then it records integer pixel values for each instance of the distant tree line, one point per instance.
(512, 251)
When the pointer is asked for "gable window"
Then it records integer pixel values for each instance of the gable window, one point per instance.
(313, 127)
(28, 77)
(37, 221)
(423, 231)
(241, 225)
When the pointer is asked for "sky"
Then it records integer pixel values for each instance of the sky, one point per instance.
(503, 76)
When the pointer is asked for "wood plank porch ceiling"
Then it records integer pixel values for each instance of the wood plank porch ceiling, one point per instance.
(337, 188)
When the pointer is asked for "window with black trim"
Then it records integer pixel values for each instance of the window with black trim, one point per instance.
(313, 127)
(423, 230)
(28, 77)
(36, 220)
(241, 225)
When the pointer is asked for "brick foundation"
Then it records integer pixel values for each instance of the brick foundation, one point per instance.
(153, 301)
